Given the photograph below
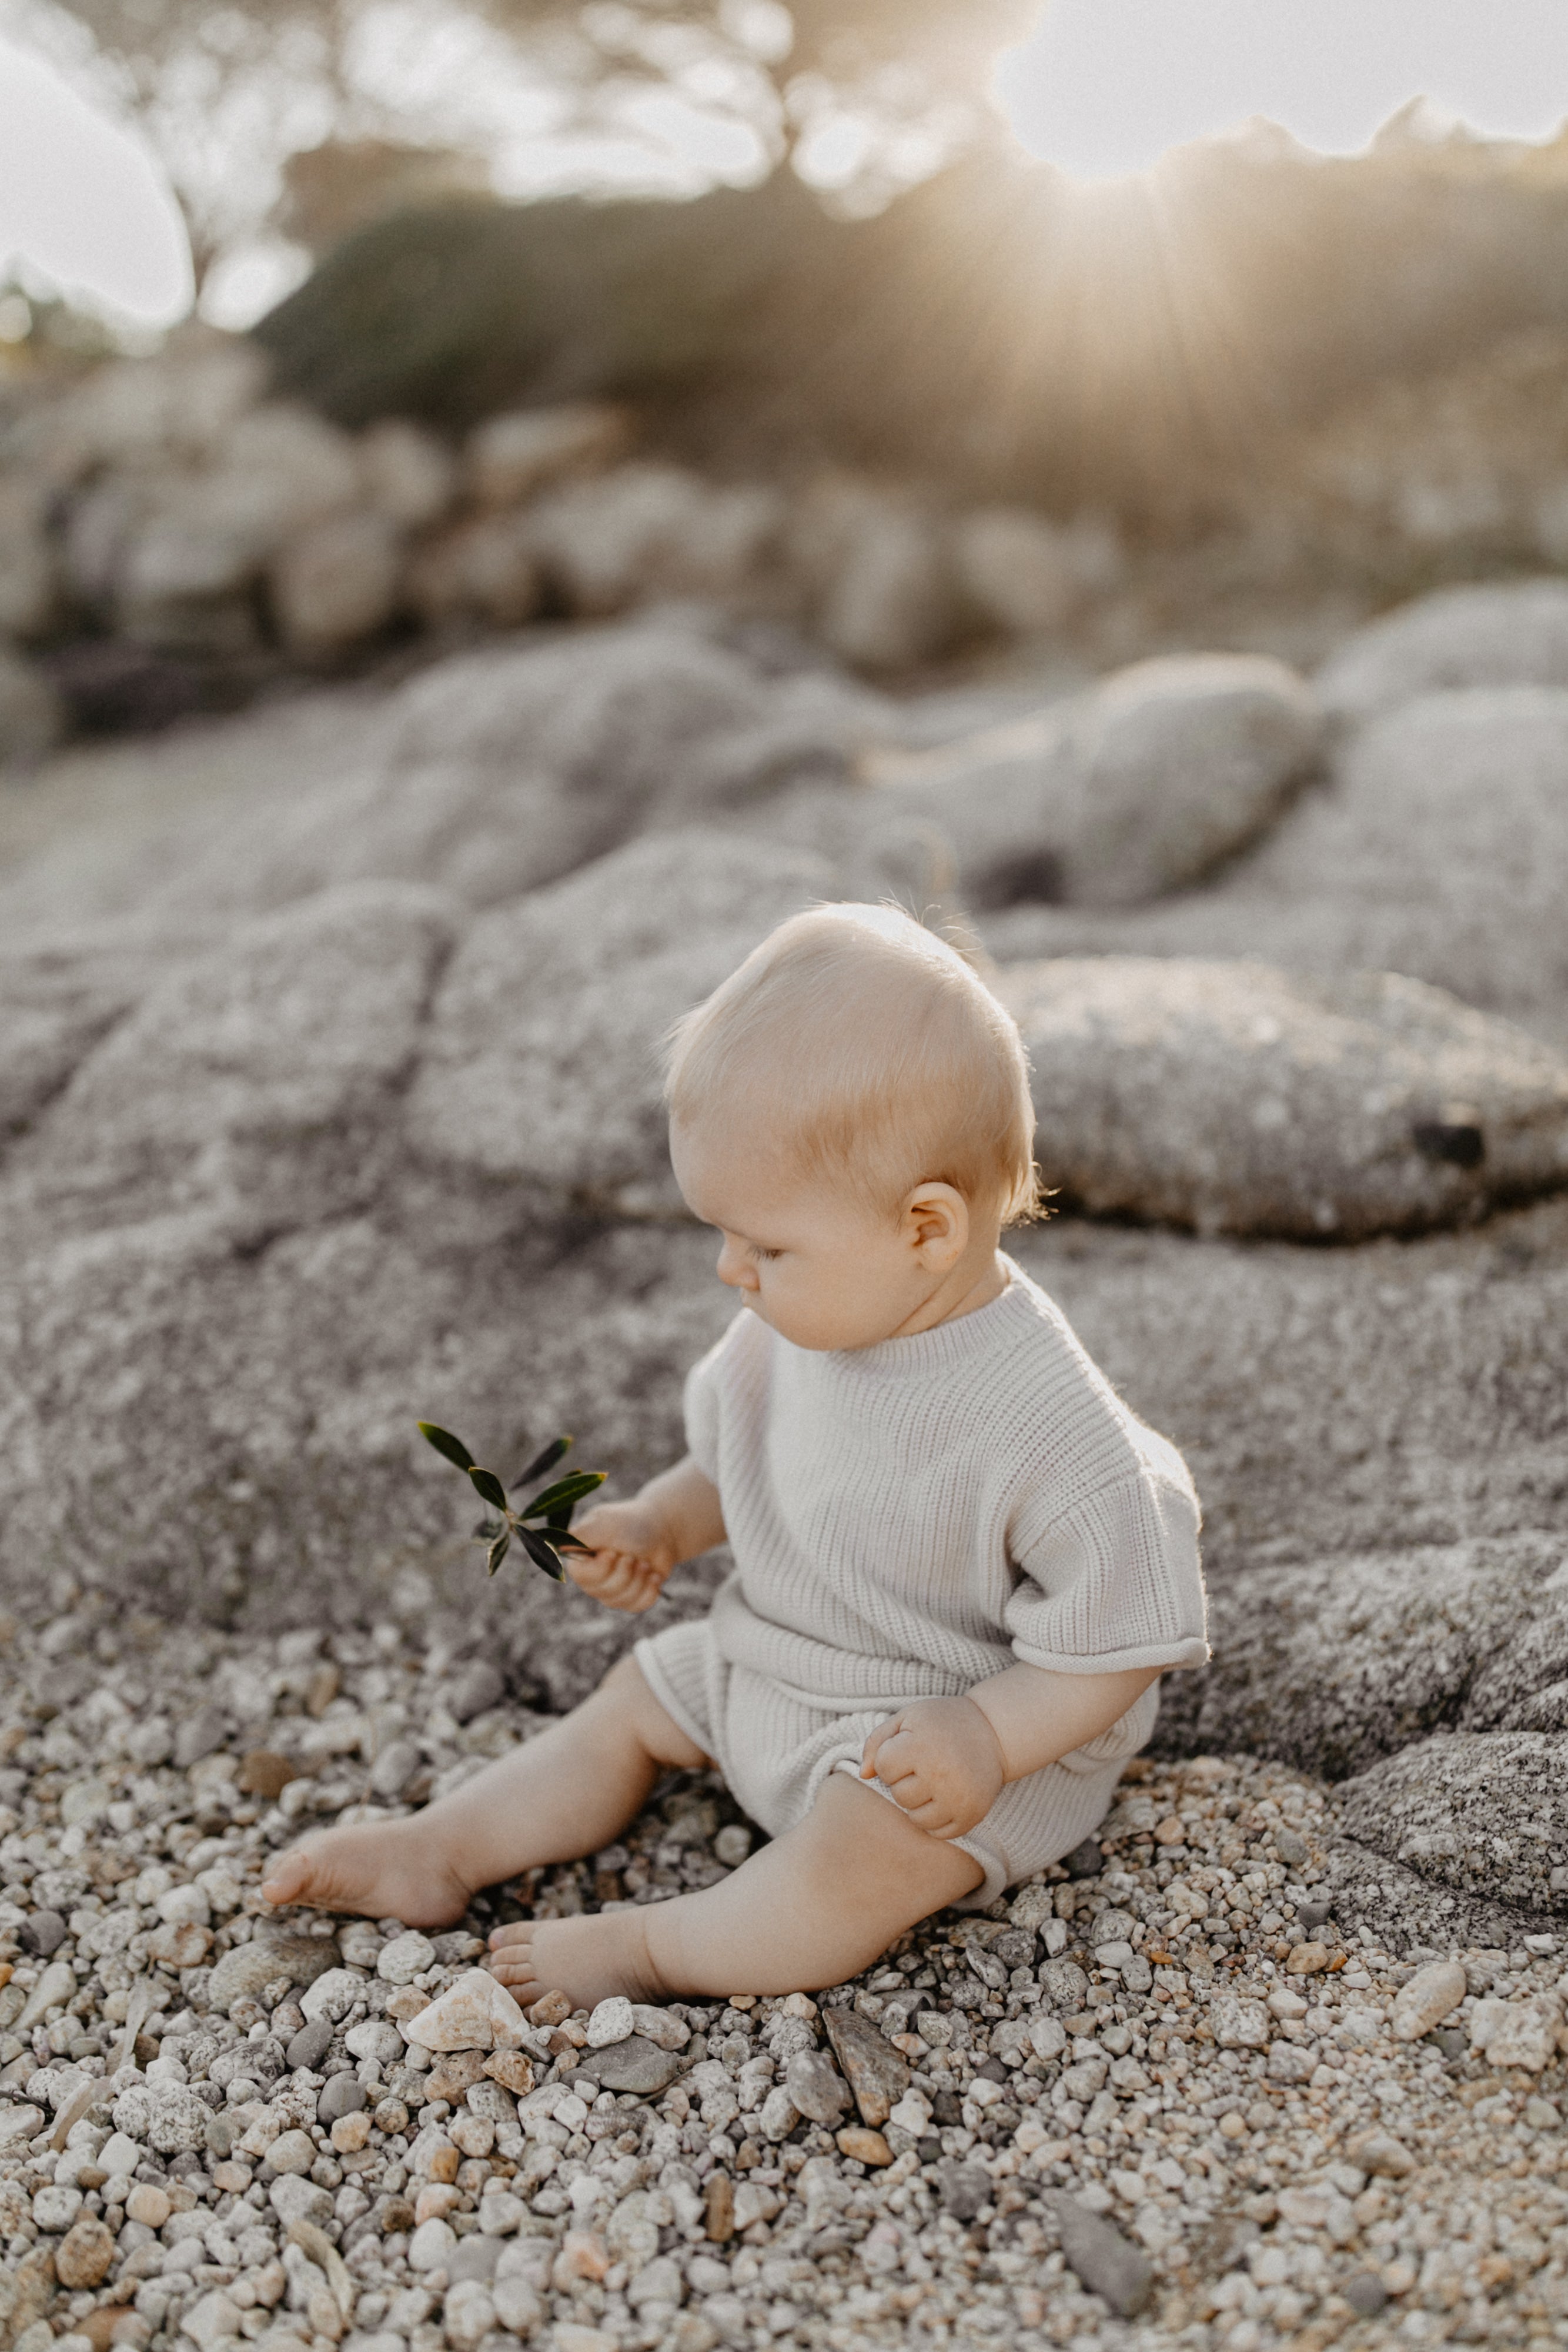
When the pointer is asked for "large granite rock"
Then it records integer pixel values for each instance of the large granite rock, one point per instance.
(1483, 1813)
(1337, 1662)
(542, 1062)
(1237, 1098)
(1439, 847)
(1510, 633)
(1139, 788)
(32, 717)
(255, 1082)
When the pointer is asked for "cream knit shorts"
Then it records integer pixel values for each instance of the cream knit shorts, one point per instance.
(776, 1746)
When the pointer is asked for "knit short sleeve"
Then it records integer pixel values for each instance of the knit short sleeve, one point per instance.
(1113, 1583)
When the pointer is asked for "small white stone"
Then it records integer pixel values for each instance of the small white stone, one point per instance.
(476, 2013)
(1432, 1993)
(332, 1995)
(612, 2022)
(212, 2320)
(657, 2025)
(432, 2246)
(184, 1907)
(407, 1957)
(468, 2313)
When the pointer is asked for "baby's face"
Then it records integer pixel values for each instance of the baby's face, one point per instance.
(819, 1267)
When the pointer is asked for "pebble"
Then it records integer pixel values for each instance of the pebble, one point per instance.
(343, 2095)
(816, 2088)
(612, 2022)
(1432, 1993)
(633, 2066)
(476, 2013)
(875, 2072)
(407, 1957)
(1105, 2261)
(1187, 2128)
(43, 1933)
(310, 2044)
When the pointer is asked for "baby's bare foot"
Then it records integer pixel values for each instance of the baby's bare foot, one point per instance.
(388, 1870)
(587, 1959)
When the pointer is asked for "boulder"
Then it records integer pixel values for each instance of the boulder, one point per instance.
(1339, 1662)
(1479, 1812)
(1028, 575)
(1439, 847)
(1508, 632)
(484, 569)
(32, 716)
(542, 1059)
(1236, 1099)
(651, 716)
(1139, 788)
(513, 456)
(647, 531)
(29, 584)
(337, 584)
(408, 476)
(255, 1079)
(874, 569)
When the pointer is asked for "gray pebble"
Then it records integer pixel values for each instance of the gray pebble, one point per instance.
(1292, 1850)
(635, 2065)
(963, 2189)
(199, 1735)
(816, 2088)
(43, 1933)
(310, 2044)
(1105, 2261)
(342, 2096)
(1365, 2294)
(475, 2258)
(477, 1688)
(1085, 1861)
(1014, 1948)
(1064, 1984)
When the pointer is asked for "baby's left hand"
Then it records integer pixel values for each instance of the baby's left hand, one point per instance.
(942, 1762)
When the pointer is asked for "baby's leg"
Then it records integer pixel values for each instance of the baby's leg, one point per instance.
(815, 1906)
(566, 1792)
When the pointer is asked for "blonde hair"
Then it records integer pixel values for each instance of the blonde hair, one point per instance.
(894, 1063)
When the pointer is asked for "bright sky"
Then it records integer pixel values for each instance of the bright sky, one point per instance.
(1105, 86)
(1102, 88)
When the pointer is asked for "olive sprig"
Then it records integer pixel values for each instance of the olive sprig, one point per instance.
(552, 1506)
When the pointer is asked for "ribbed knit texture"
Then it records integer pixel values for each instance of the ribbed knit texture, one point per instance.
(908, 1520)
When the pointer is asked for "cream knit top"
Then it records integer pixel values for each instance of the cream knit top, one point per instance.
(911, 1518)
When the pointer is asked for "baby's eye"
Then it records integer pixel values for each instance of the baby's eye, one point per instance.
(765, 1254)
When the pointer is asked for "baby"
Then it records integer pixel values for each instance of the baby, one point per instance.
(961, 1562)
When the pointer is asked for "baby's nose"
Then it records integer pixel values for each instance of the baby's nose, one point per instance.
(735, 1268)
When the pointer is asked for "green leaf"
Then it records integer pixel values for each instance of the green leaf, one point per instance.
(543, 1462)
(561, 1539)
(454, 1450)
(499, 1550)
(565, 1493)
(488, 1487)
(540, 1553)
(488, 1530)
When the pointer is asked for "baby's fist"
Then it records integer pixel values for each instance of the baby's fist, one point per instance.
(629, 1556)
(940, 1759)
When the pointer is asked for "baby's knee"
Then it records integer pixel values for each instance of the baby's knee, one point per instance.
(626, 1689)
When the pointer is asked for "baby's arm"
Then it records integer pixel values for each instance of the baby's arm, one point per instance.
(946, 1761)
(634, 1545)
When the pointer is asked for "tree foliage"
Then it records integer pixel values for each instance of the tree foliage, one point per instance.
(863, 96)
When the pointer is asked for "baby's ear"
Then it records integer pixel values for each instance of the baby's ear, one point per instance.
(936, 1216)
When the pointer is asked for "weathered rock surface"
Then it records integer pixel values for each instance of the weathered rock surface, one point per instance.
(1236, 1099)
(1438, 848)
(32, 719)
(1513, 632)
(1137, 789)
(541, 1062)
(1481, 1813)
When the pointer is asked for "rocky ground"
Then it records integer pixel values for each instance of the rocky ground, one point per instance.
(1162, 2094)
(326, 1101)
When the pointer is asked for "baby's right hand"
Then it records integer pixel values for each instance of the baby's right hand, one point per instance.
(630, 1555)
